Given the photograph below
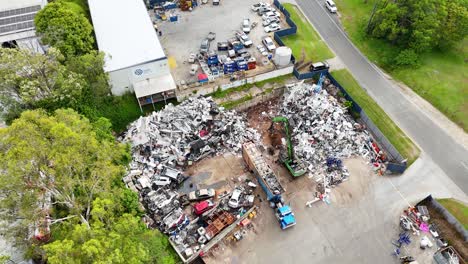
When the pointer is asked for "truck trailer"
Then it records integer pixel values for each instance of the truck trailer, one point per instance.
(269, 183)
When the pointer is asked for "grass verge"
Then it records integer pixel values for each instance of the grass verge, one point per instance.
(122, 110)
(223, 93)
(399, 140)
(457, 209)
(306, 41)
(441, 79)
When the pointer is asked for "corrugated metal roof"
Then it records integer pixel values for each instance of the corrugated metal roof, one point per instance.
(124, 32)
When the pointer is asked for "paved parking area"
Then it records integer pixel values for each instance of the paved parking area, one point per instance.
(357, 227)
(181, 38)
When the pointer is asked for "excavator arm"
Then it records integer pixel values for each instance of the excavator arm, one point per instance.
(289, 163)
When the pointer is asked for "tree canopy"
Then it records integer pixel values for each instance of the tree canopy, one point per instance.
(110, 239)
(54, 160)
(60, 177)
(420, 25)
(31, 80)
(61, 27)
(27, 79)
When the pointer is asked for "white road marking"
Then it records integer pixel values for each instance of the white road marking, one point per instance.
(398, 191)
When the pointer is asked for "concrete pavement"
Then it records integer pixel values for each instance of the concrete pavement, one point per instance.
(441, 148)
(357, 227)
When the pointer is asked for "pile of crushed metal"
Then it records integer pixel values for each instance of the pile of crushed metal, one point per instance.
(190, 131)
(166, 142)
(323, 132)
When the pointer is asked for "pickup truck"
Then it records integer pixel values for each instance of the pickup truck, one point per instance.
(244, 39)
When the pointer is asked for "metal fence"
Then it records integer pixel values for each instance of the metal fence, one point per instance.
(287, 31)
(447, 215)
(308, 74)
(375, 131)
(355, 107)
(392, 152)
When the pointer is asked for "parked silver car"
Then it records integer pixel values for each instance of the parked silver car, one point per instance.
(201, 194)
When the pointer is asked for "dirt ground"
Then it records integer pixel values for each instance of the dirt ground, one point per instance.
(448, 232)
(352, 190)
(220, 172)
(259, 117)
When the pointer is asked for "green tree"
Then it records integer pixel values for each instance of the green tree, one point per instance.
(420, 25)
(4, 259)
(30, 80)
(61, 27)
(455, 25)
(54, 161)
(111, 238)
(91, 66)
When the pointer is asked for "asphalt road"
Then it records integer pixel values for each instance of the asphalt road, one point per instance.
(450, 156)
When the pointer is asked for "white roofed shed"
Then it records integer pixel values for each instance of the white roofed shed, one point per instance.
(125, 33)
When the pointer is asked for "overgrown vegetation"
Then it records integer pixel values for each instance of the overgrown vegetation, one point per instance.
(232, 104)
(70, 183)
(306, 41)
(278, 80)
(122, 110)
(245, 87)
(438, 75)
(458, 209)
(399, 140)
(223, 93)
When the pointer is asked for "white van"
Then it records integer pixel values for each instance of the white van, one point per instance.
(330, 5)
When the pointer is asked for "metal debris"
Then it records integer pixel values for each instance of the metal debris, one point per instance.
(323, 134)
(190, 131)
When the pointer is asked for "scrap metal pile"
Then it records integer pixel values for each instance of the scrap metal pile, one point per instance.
(322, 133)
(190, 131)
(163, 144)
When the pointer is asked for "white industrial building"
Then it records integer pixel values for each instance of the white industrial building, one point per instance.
(17, 23)
(135, 60)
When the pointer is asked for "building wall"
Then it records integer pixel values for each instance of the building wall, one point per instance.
(122, 80)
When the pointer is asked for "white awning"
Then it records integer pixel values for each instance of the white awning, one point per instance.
(154, 85)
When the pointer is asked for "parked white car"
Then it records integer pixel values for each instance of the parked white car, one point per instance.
(272, 28)
(270, 20)
(162, 181)
(270, 15)
(269, 44)
(330, 5)
(264, 9)
(262, 50)
(202, 194)
(235, 197)
(256, 7)
(244, 39)
(246, 25)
